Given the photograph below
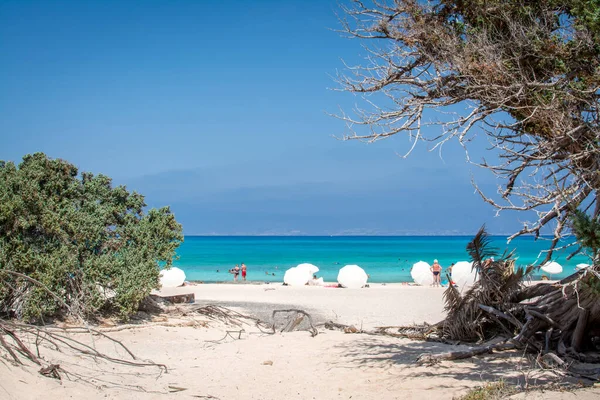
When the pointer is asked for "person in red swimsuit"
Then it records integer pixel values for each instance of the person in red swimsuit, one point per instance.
(436, 269)
(243, 271)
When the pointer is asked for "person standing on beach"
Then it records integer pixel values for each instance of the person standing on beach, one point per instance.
(236, 272)
(436, 269)
(244, 271)
(449, 271)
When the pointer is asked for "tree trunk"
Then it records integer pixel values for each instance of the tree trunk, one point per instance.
(577, 340)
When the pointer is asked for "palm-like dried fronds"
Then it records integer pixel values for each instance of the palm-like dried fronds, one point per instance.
(479, 248)
(452, 298)
(498, 281)
(561, 317)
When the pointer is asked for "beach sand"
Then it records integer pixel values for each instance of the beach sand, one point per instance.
(377, 305)
(204, 362)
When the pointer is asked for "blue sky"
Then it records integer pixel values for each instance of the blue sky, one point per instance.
(219, 109)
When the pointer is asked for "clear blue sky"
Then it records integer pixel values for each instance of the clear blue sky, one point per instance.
(219, 109)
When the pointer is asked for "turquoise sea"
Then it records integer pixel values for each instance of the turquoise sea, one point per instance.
(386, 259)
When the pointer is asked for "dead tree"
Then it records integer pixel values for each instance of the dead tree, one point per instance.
(561, 319)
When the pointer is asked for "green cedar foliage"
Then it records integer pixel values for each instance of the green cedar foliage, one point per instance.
(587, 231)
(81, 238)
(550, 48)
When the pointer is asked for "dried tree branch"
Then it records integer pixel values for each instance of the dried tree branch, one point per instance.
(490, 70)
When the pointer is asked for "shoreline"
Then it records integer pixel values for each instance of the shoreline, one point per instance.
(261, 282)
(328, 283)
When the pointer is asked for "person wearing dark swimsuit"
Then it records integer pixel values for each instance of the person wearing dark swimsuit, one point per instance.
(436, 269)
(236, 272)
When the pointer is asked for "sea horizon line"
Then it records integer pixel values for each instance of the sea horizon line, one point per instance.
(360, 235)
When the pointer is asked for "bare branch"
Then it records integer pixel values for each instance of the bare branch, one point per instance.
(491, 70)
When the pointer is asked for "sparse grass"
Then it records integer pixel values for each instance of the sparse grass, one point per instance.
(503, 390)
(491, 391)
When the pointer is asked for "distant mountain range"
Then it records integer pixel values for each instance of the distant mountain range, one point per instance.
(396, 205)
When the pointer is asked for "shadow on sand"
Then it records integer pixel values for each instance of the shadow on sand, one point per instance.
(398, 357)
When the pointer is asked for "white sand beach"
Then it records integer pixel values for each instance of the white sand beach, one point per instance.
(205, 362)
(377, 305)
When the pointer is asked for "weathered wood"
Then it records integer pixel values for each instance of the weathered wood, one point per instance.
(432, 358)
(180, 298)
(547, 341)
(543, 317)
(293, 324)
(577, 339)
(589, 358)
(7, 347)
(21, 346)
(51, 371)
(571, 278)
(591, 372)
(526, 331)
(500, 314)
(299, 313)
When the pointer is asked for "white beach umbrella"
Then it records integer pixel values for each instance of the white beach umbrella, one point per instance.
(312, 269)
(172, 277)
(421, 273)
(552, 267)
(464, 275)
(352, 277)
(316, 282)
(582, 266)
(296, 277)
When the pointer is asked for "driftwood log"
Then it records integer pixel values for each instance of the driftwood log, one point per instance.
(430, 358)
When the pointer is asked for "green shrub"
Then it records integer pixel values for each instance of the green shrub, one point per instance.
(78, 236)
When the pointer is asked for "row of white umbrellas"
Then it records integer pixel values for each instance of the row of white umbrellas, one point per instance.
(353, 276)
(349, 276)
(464, 275)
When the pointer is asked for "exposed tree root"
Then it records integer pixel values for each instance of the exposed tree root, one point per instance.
(193, 323)
(224, 314)
(25, 344)
(61, 343)
(551, 360)
(561, 319)
(62, 340)
(294, 318)
(416, 332)
(433, 358)
(285, 320)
